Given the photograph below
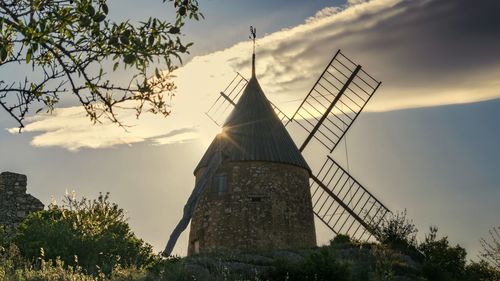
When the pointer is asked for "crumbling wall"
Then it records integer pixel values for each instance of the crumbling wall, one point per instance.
(15, 203)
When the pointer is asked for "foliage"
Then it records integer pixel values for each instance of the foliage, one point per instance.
(3, 237)
(491, 248)
(84, 227)
(398, 232)
(69, 47)
(481, 271)
(93, 234)
(442, 261)
(56, 270)
(341, 239)
(319, 265)
(169, 269)
(53, 270)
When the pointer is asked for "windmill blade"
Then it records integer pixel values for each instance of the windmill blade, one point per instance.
(228, 98)
(281, 115)
(188, 210)
(343, 204)
(335, 101)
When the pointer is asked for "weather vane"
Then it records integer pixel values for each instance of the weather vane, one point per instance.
(253, 35)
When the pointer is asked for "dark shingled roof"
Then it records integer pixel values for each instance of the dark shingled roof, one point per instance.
(253, 132)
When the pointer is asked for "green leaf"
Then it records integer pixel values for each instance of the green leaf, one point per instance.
(124, 39)
(115, 66)
(113, 41)
(42, 25)
(105, 8)
(90, 11)
(28, 55)
(99, 17)
(174, 30)
(3, 54)
(85, 21)
(129, 58)
(182, 11)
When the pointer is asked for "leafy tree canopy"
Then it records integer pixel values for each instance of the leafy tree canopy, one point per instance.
(72, 46)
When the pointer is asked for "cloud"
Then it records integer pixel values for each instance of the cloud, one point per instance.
(69, 128)
(355, 2)
(427, 53)
(177, 136)
(323, 13)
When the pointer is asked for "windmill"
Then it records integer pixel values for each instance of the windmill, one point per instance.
(336, 198)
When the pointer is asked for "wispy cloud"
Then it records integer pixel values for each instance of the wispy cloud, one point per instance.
(69, 128)
(427, 53)
(323, 13)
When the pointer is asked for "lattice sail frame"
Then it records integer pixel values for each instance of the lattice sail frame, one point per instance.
(326, 114)
(228, 98)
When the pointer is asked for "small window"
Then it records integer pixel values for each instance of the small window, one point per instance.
(196, 246)
(256, 199)
(220, 184)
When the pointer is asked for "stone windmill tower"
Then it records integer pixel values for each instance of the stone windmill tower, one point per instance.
(259, 197)
(253, 187)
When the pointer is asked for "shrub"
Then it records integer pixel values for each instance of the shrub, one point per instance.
(93, 234)
(169, 269)
(3, 237)
(341, 239)
(481, 271)
(490, 251)
(51, 271)
(320, 265)
(399, 233)
(442, 261)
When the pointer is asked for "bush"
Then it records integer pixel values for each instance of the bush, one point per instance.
(321, 265)
(93, 234)
(170, 269)
(490, 251)
(341, 239)
(399, 233)
(442, 261)
(51, 271)
(3, 238)
(481, 271)
(397, 230)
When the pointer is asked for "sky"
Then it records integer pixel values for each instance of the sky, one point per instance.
(427, 141)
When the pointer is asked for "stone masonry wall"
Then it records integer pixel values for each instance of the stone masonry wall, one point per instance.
(15, 204)
(266, 206)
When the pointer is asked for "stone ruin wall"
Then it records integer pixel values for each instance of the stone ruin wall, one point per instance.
(15, 203)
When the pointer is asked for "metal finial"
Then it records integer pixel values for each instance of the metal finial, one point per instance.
(253, 35)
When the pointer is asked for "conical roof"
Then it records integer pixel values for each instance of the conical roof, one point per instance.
(253, 132)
